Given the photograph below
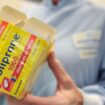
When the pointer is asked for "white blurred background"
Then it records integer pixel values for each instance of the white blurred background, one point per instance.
(18, 3)
(29, 6)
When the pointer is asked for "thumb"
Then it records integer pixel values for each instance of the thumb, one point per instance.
(63, 78)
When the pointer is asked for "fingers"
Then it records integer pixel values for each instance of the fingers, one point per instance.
(13, 101)
(34, 100)
(30, 100)
(60, 73)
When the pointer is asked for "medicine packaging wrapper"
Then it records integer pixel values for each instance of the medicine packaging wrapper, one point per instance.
(24, 47)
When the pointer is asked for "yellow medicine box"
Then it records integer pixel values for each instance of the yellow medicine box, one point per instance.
(24, 46)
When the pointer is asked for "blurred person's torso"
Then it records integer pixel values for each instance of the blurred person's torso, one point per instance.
(78, 37)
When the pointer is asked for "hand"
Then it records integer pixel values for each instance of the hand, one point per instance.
(66, 94)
